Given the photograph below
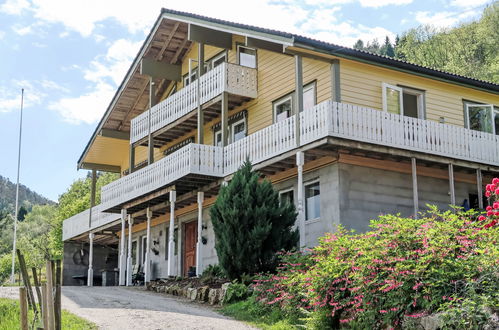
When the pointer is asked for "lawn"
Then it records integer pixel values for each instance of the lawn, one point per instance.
(9, 317)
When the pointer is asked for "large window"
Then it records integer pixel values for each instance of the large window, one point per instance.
(246, 56)
(283, 107)
(403, 101)
(237, 131)
(482, 117)
(312, 201)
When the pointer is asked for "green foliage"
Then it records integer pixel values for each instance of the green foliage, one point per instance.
(250, 225)
(211, 273)
(403, 268)
(10, 318)
(470, 313)
(470, 49)
(236, 292)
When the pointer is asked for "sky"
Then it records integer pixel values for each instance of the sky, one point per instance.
(70, 56)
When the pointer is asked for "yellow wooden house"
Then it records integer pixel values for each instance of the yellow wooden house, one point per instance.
(342, 133)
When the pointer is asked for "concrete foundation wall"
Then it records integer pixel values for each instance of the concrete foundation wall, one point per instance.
(105, 258)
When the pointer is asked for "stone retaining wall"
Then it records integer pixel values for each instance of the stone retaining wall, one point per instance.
(203, 294)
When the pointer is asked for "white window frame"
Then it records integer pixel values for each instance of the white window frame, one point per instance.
(285, 191)
(311, 86)
(212, 61)
(305, 184)
(232, 132)
(493, 113)
(239, 58)
(384, 86)
(143, 249)
(217, 133)
(282, 100)
(420, 97)
(137, 253)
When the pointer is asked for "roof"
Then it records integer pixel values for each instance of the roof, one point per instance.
(288, 39)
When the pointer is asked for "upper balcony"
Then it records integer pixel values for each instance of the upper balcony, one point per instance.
(196, 165)
(239, 81)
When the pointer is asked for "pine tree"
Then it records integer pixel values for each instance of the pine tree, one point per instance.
(359, 45)
(251, 225)
(387, 48)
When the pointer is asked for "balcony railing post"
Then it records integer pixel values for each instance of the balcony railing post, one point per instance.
(122, 249)
(147, 265)
(200, 229)
(129, 256)
(90, 275)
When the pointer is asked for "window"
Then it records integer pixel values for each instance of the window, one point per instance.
(312, 201)
(134, 252)
(246, 56)
(482, 117)
(403, 101)
(237, 131)
(283, 108)
(309, 96)
(194, 75)
(286, 196)
(217, 60)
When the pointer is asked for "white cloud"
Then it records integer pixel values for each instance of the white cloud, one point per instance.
(443, 19)
(468, 3)
(87, 108)
(104, 73)
(10, 97)
(382, 3)
(22, 30)
(346, 34)
(14, 7)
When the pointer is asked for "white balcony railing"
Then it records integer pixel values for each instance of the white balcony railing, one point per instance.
(325, 119)
(226, 77)
(79, 223)
(191, 159)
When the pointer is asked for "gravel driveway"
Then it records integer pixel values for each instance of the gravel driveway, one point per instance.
(135, 308)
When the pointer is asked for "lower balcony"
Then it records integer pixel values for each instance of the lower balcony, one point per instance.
(192, 166)
(81, 223)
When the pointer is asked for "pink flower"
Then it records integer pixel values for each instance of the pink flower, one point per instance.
(383, 311)
(487, 194)
(495, 180)
(489, 208)
(490, 213)
(481, 218)
(496, 205)
(497, 191)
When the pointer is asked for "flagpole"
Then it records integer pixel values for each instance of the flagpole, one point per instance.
(12, 275)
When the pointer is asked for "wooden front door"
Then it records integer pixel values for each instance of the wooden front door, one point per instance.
(190, 238)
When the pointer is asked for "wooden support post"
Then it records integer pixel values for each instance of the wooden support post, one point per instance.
(200, 230)
(415, 188)
(92, 197)
(150, 143)
(37, 284)
(90, 276)
(129, 257)
(451, 185)
(200, 125)
(131, 163)
(298, 108)
(147, 261)
(225, 119)
(300, 161)
(122, 274)
(44, 307)
(171, 243)
(50, 296)
(26, 281)
(23, 303)
(479, 188)
(335, 81)
(58, 293)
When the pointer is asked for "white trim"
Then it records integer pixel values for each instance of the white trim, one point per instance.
(238, 53)
(306, 88)
(384, 86)
(420, 99)
(137, 255)
(279, 101)
(305, 184)
(285, 191)
(232, 126)
(143, 250)
(215, 58)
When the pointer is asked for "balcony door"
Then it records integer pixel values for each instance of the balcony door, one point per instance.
(403, 101)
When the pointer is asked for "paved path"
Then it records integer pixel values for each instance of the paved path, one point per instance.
(135, 308)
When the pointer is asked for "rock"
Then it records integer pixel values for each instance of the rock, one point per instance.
(203, 294)
(184, 290)
(214, 296)
(225, 286)
(192, 292)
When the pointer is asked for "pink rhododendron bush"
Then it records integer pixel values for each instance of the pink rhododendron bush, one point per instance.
(404, 269)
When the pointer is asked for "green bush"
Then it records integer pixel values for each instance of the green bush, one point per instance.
(236, 292)
(251, 225)
(403, 268)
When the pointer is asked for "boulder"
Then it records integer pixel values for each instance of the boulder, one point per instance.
(214, 296)
(192, 293)
(203, 294)
(225, 286)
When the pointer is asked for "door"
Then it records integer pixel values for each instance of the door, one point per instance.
(190, 238)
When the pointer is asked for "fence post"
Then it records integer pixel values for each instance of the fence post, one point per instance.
(23, 303)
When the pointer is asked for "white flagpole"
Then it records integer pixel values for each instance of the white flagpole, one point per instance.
(12, 275)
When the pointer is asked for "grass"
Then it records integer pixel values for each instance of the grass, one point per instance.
(253, 313)
(10, 318)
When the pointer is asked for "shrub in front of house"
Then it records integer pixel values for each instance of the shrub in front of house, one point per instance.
(251, 225)
(402, 270)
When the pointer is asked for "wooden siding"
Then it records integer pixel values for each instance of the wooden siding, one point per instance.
(361, 85)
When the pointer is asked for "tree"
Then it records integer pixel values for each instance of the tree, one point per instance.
(387, 48)
(251, 225)
(359, 45)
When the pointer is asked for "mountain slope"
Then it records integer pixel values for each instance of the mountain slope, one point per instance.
(27, 197)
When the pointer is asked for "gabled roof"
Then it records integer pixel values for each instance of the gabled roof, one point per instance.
(286, 39)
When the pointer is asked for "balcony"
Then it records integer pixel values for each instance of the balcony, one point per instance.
(202, 163)
(78, 224)
(238, 81)
(194, 163)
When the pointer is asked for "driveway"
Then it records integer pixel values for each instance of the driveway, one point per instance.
(135, 308)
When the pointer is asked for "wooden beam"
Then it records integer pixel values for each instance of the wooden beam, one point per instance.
(208, 36)
(100, 167)
(115, 134)
(179, 50)
(142, 90)
(167, 41)
(149, 197)
(160, 70)
(264, 44)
